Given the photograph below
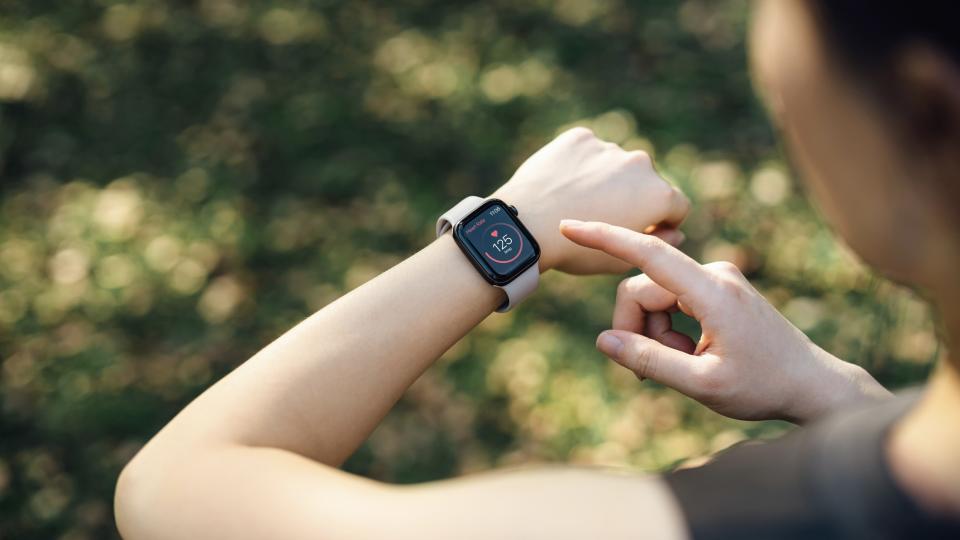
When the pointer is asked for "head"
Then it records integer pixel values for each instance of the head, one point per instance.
(866, 94)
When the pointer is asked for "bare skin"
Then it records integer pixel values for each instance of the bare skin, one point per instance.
(853, 158)
(256, 455)
(750, 363)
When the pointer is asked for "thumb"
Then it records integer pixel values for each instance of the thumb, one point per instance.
(648, 358)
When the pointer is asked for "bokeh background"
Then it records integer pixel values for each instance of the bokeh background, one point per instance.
(182, 181)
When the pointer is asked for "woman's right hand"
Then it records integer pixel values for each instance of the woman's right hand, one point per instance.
(750, 363)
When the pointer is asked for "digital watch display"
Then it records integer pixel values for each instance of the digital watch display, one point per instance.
(496, 242)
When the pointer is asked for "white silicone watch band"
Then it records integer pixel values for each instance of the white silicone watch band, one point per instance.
(521, 287)
(518, 289)
(457, 213)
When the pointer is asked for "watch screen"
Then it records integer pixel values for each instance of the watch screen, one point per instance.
(499, 240)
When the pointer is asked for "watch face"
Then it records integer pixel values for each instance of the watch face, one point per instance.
(496, 242)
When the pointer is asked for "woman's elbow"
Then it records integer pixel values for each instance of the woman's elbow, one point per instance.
(132, 499)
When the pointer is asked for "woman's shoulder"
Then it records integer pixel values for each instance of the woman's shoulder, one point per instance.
(827, 480)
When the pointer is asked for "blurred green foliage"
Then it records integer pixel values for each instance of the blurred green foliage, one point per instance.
(182, 181)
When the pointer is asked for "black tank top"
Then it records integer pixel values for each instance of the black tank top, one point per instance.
(830, 480)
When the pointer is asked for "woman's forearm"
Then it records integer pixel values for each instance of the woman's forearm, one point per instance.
(243, 457)
(322, 387)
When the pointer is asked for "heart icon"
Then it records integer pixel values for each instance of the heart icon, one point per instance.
(494, 233)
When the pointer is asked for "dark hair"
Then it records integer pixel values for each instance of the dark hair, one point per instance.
(868, 33)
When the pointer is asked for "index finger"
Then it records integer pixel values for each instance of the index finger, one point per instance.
(666, 265)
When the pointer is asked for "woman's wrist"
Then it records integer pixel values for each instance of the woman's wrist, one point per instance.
(543, 228)
(578, 176)
(837, 386)
(864, 387)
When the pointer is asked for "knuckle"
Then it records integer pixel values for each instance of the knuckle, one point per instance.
(603, 229)
(642, 249)
(647, 242)
(725, 268)
(624, 287)
(580, 133)
(650, 248)
(680, 199)
(667, 192)
(612, 232)
(724, 276)
(729, 279)
(729, 287)
(631, 286)
(639, 157)
(661, 191)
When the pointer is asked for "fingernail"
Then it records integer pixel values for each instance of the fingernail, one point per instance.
(609, 345)
(570, 223)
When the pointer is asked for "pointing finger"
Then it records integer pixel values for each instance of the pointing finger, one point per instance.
(666, 265)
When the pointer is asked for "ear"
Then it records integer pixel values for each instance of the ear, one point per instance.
(927, 84)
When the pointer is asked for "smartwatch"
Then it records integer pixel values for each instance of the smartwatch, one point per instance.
(494, 240)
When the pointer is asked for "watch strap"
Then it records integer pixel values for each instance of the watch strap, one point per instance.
(521, 287)
(456, 214)
(517, 290)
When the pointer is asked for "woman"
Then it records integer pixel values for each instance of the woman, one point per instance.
(869, 105)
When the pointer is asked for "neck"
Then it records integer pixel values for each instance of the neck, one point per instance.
(924, 447)
(923, 450)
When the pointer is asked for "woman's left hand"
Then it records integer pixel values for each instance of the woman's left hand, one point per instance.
(579, 176)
